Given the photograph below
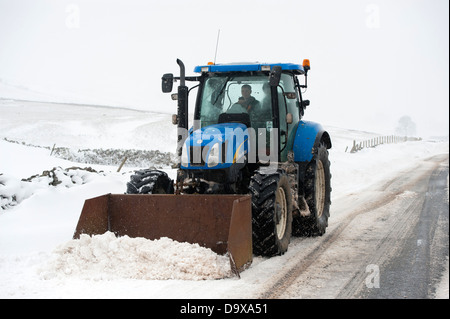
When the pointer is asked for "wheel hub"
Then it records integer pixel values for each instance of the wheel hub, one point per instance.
(320, 188)
(280, 212)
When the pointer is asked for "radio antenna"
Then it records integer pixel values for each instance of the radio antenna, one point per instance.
(217, 45)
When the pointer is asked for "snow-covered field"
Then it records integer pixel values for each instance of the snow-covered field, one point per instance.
(39, 259)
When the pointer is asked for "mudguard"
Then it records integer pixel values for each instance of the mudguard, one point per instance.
(307, 139)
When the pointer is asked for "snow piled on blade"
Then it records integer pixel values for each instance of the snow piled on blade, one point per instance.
(107, 257)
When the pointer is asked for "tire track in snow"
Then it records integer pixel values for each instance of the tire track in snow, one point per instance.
(394, 194)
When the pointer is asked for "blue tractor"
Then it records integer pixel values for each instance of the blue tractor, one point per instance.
(247, 137)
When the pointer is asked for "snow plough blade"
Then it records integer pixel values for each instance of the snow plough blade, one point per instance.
(219, 222)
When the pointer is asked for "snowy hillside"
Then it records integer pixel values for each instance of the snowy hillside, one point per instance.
(10, 91)
(86, 127)
(42, 195)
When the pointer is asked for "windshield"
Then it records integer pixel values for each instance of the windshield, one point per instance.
(236, 94)
(251, 94)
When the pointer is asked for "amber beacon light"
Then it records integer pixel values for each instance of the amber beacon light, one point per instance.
(306, 64)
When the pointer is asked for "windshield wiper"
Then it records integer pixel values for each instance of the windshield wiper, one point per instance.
(222, 89)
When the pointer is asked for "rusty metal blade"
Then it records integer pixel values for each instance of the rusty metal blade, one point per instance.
(240, 234)
(219, 222)
(94, 217)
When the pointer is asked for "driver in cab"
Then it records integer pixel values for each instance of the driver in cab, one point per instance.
(247, 100)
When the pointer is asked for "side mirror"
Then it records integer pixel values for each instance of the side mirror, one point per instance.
(167, 83)
(305, 103)
(275, 75)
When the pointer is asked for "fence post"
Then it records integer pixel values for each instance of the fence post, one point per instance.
(353, 150)
(121, 164)
(53, 148)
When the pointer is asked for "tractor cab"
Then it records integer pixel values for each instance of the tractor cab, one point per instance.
(263, 97)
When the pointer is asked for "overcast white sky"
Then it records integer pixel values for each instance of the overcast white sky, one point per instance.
(371, 61)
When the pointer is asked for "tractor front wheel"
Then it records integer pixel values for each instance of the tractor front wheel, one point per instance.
(150, 181)
(271, 213)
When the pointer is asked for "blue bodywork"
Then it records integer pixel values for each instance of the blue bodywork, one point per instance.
(247, 67)
(305, 140)
(231, 137)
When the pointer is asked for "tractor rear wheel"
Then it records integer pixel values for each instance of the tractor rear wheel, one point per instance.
(317, 195)
(271, 213)
(150, 181)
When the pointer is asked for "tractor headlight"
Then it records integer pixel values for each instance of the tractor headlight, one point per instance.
(184, 156)
(214, 155)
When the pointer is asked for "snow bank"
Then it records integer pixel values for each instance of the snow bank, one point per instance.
(352, 172)
(13, 191)
(106, 257)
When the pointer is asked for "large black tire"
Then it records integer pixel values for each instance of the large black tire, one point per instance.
(150, 181)
(317, 185)
(271, 213)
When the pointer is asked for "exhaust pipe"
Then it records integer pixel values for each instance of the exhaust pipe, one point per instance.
(182, 108)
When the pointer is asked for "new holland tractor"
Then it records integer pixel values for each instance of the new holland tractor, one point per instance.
(251, 173)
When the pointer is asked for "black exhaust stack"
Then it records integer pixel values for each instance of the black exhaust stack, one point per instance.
(182, 108)
(182, 99)
(181, 119)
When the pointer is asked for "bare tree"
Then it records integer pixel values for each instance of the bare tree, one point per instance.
(406, 127)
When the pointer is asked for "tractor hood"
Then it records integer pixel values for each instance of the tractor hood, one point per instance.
(216, 146)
